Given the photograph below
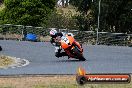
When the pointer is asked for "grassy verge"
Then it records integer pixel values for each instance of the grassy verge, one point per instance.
(5, 61)
(51, 82)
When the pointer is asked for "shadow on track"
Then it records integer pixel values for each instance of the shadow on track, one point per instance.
(74, 60)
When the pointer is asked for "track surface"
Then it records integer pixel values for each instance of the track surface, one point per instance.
(100, 59)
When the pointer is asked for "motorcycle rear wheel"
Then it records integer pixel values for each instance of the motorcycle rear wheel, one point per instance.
(78, 54)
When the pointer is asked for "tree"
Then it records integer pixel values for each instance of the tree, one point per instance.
(61, 20)
(83, 6)
(26, 12)
(63, 3)
(67, 1)
(115, 14)
(1, 1)
(85, 18)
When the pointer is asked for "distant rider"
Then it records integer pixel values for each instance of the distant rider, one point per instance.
(54, 37)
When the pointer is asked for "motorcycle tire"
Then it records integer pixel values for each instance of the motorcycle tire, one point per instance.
(78, 54)
(82, 59)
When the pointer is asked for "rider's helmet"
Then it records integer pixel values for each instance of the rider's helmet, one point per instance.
(53, 32)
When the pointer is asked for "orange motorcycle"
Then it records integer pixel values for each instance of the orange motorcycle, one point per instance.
(72, 48)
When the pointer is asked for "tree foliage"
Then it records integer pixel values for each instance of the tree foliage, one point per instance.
(61, 20)
(116, 15)
(82, 5)
(26, 12)
(85, 18)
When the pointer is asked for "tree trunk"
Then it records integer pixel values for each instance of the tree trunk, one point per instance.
(63, 3)
(1, 1)
(66, 3)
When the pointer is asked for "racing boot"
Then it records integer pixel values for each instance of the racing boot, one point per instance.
(63, 54)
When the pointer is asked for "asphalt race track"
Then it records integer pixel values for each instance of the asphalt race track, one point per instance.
(100, 59)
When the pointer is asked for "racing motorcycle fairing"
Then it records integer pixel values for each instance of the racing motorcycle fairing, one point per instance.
(72, 47)
(66, 41)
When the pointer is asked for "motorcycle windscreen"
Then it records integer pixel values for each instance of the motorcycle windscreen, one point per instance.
(66, 41)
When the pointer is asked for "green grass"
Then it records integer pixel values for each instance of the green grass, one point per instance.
(78, 86)
(84, 86)
(56, 86)
(6, 87)
(52, 82)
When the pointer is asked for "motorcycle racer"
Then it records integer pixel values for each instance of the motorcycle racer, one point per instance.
(54, 41)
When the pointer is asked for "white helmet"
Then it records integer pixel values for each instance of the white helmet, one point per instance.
(53, 32)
